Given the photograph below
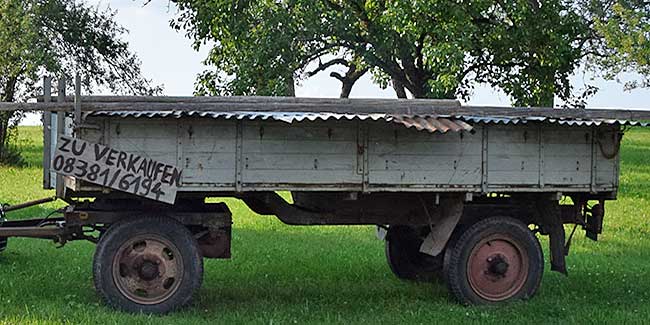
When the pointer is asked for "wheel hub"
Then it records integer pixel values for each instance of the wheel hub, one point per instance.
(497, 265)
(497, 268)
(147, 269)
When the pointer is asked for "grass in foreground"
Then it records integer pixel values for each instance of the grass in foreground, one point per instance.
(284, 274)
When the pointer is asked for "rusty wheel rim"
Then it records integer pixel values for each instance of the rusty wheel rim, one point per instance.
(148, 269)
(497, 268)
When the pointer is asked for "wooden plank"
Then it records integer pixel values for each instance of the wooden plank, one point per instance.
(295, 104)
(309, 178)
(513, 155)
(448, 163)
(123, 171)
(47, 135)
(60, 129)
(329, 131)
(299, 162)
(77, 99)
(431, 177)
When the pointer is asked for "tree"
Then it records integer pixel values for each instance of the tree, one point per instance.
(434, 49)
(61, 37)
(624, 27)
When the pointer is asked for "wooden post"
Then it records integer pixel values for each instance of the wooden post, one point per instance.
(77, 100)
(47, 134)
(60, 129)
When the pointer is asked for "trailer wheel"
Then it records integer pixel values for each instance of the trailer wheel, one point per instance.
(495, 260)
(149, 265)
(404, 257)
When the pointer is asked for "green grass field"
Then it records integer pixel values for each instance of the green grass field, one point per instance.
(281, 274)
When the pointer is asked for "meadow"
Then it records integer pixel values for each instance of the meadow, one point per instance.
(286, 274)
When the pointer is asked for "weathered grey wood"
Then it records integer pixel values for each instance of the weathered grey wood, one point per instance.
(513, 155)
(294, 104)
(60, 129)
(208, 152)
(266, 155)
(568, 155)
(77, 99)
(406, 157)
(328, 156)
(47, 136)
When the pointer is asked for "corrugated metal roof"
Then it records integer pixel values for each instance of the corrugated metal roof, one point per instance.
(570, 122)
(431, 124)
(439, 123)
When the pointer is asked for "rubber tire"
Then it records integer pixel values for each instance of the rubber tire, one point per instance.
(3, 244)
(404, 257)
(461, 245)
(124, 230)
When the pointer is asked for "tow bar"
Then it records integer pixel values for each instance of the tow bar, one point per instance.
(47, 228)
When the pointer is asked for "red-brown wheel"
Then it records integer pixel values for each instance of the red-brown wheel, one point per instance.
(150, 265)
(495, 260)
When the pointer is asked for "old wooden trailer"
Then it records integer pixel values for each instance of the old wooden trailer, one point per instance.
(457, 192)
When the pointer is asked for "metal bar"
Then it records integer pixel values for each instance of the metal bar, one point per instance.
(28, 204)
(31, 232)
(31, 222)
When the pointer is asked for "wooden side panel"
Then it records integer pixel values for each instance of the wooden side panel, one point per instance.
(301, 153)
(567, 155)
(374, 156)
(607, 156)
(513, 155)
(152, 138)
(207, 152)
(398, 156)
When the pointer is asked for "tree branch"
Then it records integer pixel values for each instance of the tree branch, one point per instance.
(324, 66)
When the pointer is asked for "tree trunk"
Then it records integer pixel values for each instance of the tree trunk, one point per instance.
(291, 87)
(399, 88)
(5, 117)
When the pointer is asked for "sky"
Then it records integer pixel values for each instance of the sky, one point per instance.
(168, 58)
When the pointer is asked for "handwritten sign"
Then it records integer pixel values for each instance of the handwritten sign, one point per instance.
(116, 169)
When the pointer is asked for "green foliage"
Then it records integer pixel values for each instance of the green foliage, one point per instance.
(434, 48)
(625, 27)
(61, 37)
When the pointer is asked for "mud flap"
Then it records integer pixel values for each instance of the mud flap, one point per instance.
(442, 228)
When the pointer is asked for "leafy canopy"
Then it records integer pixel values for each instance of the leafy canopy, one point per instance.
(61, 37)
(432, 48)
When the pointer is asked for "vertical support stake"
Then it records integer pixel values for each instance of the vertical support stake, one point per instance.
(594, 158)
(541, 156)
(484, 165)
(47, 134)
(77, 100)
(239, 139)
(60, 129)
